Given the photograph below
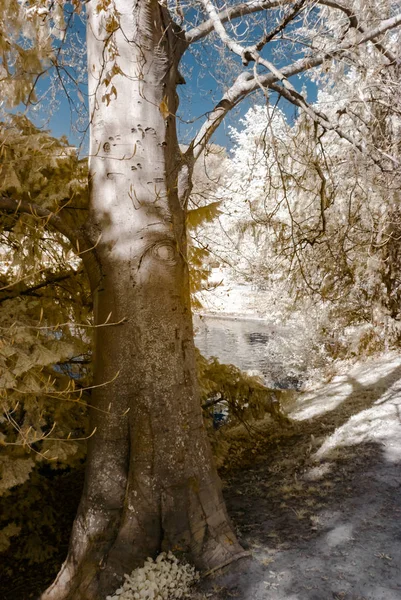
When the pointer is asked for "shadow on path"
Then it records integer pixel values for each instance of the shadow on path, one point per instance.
(328, 526)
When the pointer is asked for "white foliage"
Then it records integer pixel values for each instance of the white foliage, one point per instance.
(236, 238)
(162, 579)
(307, 213)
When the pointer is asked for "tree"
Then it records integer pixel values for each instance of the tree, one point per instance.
(150, 480)
(42, 286)
(304, 208)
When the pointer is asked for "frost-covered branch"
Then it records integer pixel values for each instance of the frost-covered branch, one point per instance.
(247, 83)
(322, 120)
(228, 14)
(354, 23)
(287, 18)
(247, 8)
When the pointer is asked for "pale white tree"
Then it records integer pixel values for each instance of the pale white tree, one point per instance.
(315, 211)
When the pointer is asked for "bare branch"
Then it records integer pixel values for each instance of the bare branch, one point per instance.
(316, 116)
(353, 20)
(50, 279)
(235, 94)
(221, 32)
(41, 214)
(246, 83)
(287, 18)
(240, 10)
(247, 8)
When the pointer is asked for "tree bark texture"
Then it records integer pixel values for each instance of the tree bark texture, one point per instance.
(150, 481)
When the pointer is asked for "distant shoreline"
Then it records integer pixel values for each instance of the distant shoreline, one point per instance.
(230, 317)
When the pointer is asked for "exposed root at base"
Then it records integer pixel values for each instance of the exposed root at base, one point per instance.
(238, 556)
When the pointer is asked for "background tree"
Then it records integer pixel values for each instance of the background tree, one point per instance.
(315, 216)
(150, 480)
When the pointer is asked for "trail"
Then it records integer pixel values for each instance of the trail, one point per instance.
(321, 508)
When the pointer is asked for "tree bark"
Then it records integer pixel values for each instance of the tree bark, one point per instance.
(150, 480)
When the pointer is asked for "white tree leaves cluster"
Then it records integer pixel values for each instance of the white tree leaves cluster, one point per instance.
(164, 578)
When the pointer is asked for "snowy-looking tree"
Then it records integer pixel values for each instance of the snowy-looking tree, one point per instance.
(304, 209)
(150, 479)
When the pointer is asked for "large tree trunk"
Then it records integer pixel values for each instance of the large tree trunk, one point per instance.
(150, 482)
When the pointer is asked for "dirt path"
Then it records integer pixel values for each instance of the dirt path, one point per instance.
(321, 509)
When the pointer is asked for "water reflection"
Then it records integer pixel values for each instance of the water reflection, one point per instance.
(250, 344)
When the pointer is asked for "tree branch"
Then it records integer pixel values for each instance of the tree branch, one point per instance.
(287, 18)
(246, 83)
(353, 20)
(240, 10)
(247, 8)
(40, 214)
(80, 244)
(50, 279)
(316, 116)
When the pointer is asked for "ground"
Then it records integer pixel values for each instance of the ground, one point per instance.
(320, 509)
(317, 504)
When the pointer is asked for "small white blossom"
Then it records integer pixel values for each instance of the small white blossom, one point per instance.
(161, 579)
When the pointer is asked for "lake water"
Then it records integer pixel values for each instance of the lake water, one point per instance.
(252, 344)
